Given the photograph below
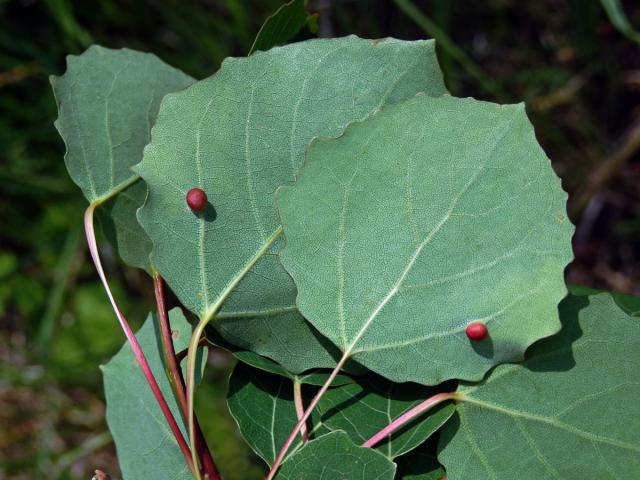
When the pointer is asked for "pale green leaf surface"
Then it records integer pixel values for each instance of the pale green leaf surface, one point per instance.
(335, 457)
(120, 225)
(277, 332)
(260, 315)
(364, 407)
(282, 26)
(145, 445)
(311, 377)
(107, 101)
(570, 411)
(241, 133)
(425, 217)
(262, 406)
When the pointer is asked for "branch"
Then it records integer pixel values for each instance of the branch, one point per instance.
(176, 379)
(173, 370)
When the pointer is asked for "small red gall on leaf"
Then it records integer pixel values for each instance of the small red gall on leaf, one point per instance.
(196, 199)
(477, 331)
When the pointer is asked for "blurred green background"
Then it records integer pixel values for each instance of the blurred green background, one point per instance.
(579, 76)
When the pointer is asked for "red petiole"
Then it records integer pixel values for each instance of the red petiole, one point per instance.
(176, 378)
(133, 341)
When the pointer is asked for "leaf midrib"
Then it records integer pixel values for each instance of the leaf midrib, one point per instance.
(434, 231)
(115, 190)
(269, 312)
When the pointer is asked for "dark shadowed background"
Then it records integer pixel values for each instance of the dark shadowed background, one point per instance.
(579, 76)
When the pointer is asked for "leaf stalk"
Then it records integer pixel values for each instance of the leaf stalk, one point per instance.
(133, 341)
(302, 421)
(299, 404)
(199, 331)
(176, 379)
(409, 415)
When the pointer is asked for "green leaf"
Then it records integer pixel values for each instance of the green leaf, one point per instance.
(363, 408)
(121, 227)
(630, 304)
(263, 407)
(240, 134)
(619, 19)
(311, 377)
(260, 315)
(146, 447)
(425, 217)
(282, 26)
(279, 333)
(107, 101)
(335, 457)
(420, 464)
(570, 411)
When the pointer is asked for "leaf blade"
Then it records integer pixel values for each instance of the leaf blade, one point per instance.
(263, 407)
(619, 19)
(107, 101)
(421, 464)
(587, 376)
(282, 26)
(122, 124)
(120, 226)
(242, 133)
(400, 283)
(333, 457)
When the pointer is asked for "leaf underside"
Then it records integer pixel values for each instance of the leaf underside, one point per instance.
(107, 102)
(311, 377)
(145, 444)
(429, 215)
(120, 225)
(570, 411)
(240, 134)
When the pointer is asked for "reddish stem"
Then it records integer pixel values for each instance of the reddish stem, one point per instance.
(176, 379)
(182, 354)
(174, 374)
(133, 341)
(407, 417)
(292, 436)
(299, 404)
